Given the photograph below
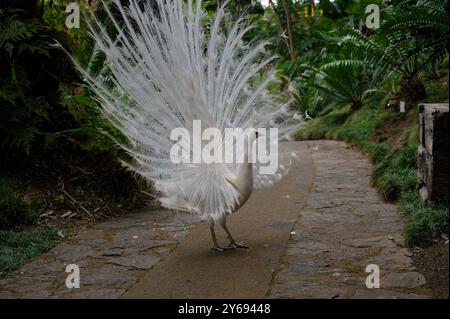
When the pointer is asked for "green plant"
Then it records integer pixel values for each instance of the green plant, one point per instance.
(423, 223)
(36, 76)
(396, 173)
(425, 21)
(413, 36)
(17, 248)
(347, 82)
(22, 43)
(393, 182)
(376, 151)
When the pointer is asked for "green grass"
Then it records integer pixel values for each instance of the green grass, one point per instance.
(343, 124)
(16, 248)
(18, 245)
(394, 171)
(423, 224)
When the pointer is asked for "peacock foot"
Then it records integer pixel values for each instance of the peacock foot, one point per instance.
(218, 248)
(234, 245)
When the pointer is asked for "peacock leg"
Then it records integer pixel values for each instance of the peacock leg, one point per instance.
(213, 235)
(233, 244)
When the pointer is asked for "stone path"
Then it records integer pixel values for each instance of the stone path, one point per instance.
(344, 228)
(112, 257)
(311, 236)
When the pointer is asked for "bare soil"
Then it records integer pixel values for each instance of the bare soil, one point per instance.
(391, 131)
(432, 262)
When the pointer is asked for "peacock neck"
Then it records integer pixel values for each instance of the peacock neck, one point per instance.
(247, 156)
(244, 177)
(245, 167)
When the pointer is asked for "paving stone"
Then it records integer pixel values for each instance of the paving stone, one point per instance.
(138, 262)
(70, 253)
(42, 266)
(95, 293)
(36, 294)
(90, 234)
(378, 241)
(107, 276)
(302, 291)
(6, 294)
(411, 279)
(297, 270)
(346, 227)
(26, 283)
(376, 293)
(111, 257)
(124, 223)
(150, 244)
(391, 258)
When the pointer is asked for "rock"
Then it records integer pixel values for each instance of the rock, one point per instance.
(138, 262)
(299, 268)
(150, 244)
(404, 280)
(99, 293)
(71, 253)
(378, 241)
(113, 252)
(302, 291)
(124, 223)
(390, 259)
(325, 203)
(6, 294)
(43, 266)
(106, 277)
(385, 294)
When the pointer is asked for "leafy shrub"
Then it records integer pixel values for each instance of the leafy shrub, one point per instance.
(23, 46)
(347, 82)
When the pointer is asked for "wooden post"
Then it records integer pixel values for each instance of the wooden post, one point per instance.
(433, 152)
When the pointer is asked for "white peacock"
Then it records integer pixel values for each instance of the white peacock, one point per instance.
(167, 66)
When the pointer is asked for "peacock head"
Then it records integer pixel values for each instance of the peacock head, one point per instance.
(254, 135)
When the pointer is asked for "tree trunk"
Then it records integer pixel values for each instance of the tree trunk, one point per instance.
(412, 90)
(291, 47)
(290, 42)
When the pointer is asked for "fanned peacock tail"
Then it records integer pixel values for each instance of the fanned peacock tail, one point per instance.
(167, 66)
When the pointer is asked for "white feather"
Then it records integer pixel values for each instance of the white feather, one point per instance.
(166, 68)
